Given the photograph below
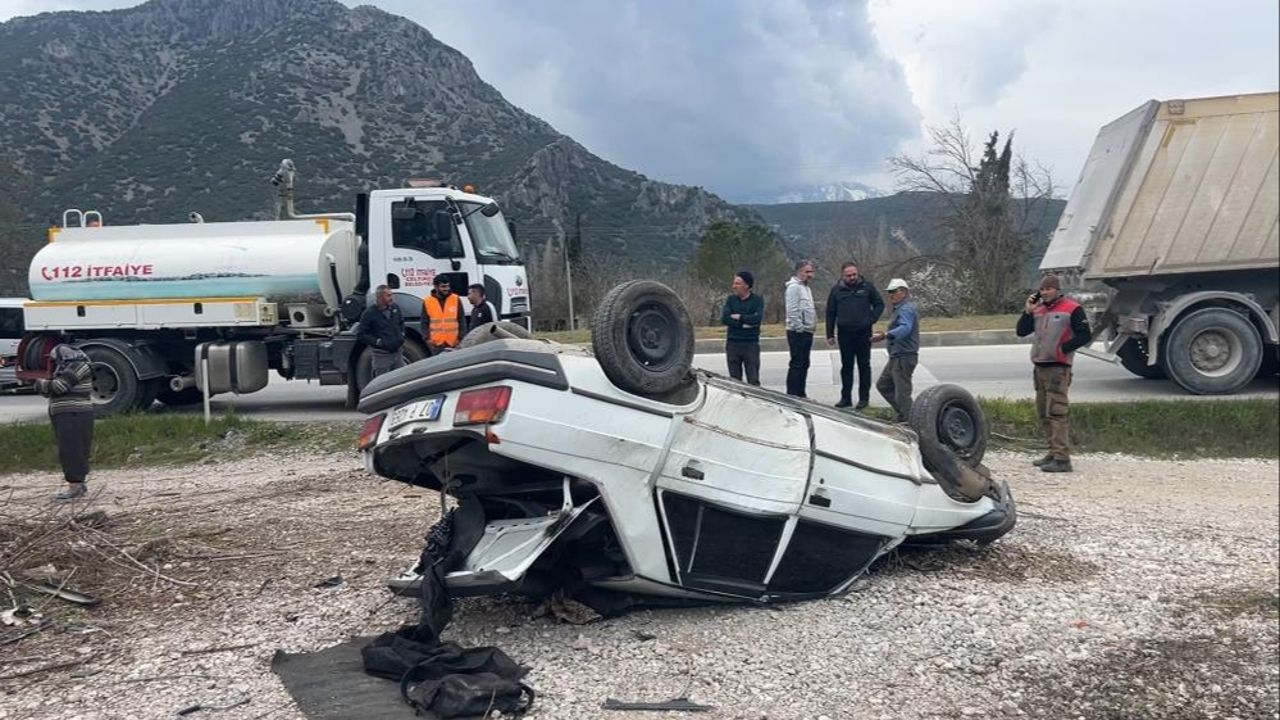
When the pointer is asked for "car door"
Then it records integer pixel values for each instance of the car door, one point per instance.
(733, 479)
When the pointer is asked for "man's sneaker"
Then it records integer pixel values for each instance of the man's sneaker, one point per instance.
(75, 491)
(1042, 461)
(860, 406)
(1056, 465)
(844, 403)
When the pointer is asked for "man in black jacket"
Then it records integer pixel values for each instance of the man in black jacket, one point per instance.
(382, 329)
(853, 307)
(743, 311)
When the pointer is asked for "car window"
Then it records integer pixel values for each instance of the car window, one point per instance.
(418, 230)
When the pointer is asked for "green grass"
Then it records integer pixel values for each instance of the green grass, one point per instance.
(167, 439)
(928, 324)
(1159, 428)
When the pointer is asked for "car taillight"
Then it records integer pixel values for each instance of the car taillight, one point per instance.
(369, 432)
(478, 407)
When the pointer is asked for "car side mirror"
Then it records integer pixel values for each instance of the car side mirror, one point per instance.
(489, 210)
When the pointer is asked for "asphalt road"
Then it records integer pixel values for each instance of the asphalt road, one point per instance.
(988, 371)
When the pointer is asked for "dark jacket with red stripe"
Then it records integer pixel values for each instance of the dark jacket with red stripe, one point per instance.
(1060, 328)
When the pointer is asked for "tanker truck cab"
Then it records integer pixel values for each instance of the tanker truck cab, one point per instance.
(416, 234)
(166, 311)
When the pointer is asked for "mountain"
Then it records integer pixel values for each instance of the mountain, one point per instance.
(844, 191)
(180, 105)
(911, 221)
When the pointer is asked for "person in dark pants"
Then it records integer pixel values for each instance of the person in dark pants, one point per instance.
(1061, 327)
(382, 329)
(853, 307)
(802, 321)
(904, 350)
(743, 311)
(71, 412)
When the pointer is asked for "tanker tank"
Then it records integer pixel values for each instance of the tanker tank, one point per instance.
(280, 261)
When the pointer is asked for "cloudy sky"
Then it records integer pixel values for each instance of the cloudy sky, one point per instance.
(752, 97)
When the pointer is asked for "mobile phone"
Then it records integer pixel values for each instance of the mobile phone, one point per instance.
(1035, 297)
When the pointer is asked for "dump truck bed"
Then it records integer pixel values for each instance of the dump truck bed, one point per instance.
(1177, 187)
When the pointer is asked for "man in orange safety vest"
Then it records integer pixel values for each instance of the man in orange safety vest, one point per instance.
(442, 318)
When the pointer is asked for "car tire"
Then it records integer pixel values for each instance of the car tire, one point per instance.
(948, 416)
(643, 338)
(180, 398)
(1213, 351)
(490, 331)
(1133, 356)
(116, 386)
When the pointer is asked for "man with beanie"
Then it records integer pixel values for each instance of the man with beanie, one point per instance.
(743, 311)
(1060, 327)
(802, 321)
(852, 308)
(71, 412)
(904, 349)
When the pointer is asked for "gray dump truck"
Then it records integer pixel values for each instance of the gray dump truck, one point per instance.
(1176, 215)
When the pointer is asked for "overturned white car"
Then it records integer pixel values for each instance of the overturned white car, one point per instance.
(620, 474)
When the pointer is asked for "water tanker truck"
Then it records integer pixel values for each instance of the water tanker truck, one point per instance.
(152, 304)
(1177, 215)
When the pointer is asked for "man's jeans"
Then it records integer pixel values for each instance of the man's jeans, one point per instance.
(385, 362)
(740, 354)
(800, 343)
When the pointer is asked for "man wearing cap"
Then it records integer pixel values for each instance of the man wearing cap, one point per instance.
(742, 313)
(442, 317)
(903, 335)
(853, 307)
(1060, 327)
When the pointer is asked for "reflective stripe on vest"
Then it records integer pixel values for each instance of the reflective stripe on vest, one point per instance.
(444, 319)
(1053, 328)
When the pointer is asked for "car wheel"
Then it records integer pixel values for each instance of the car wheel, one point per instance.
(948, 416)
(115, 385)
(643, 338)
(180, 398)
(1214, 351)
(490, 331)
(1133, 356)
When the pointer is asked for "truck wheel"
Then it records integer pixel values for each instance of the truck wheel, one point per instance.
(643, 338)
(411, 350)
(115, 385)
(147, 392)
(180, 398)
(1133, 356)
(1213, 351)
(1270, 362)
(948, 416)
(500, 330)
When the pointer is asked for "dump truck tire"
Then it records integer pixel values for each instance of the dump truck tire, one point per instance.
(1214, 351)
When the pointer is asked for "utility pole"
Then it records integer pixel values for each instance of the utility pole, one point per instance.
(568, 279)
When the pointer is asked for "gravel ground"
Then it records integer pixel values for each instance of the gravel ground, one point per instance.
(1134, 588)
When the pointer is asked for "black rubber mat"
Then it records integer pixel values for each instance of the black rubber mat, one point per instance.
(332, 685)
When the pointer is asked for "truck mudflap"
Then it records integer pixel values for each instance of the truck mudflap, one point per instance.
(503, 554)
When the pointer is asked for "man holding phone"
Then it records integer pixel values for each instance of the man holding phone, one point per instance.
(1060, 327)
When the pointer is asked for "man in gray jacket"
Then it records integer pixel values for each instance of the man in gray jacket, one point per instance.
(904, 349)
(802, 321)
(71, 412)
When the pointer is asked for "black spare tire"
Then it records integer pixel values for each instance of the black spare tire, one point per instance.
(490, 331)
(948, 416)
(643, 338)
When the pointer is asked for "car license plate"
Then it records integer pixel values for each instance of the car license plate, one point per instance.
(428, 409)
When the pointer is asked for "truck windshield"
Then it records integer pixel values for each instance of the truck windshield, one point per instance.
(492, 239)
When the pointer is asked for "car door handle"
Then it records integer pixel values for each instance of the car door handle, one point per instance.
(820, 500)
(692, 473)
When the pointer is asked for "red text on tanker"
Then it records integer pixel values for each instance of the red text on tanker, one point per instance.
(80, 272)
